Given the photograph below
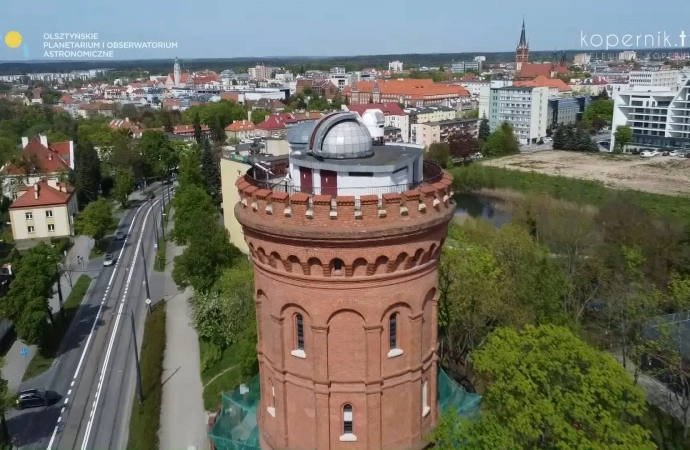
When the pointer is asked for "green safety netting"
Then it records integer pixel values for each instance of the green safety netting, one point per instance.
(235, 426)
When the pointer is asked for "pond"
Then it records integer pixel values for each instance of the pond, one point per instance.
(484, 207)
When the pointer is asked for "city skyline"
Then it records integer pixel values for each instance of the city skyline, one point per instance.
(223, 33)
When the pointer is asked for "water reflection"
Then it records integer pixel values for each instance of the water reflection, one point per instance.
(482, 207)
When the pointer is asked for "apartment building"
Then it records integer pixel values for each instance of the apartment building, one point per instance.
(525, 108)
(465, 66)
(659, 116)
(425, 134)
(44, 210)
(655, 77)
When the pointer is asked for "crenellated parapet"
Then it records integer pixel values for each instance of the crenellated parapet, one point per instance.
(302, 209)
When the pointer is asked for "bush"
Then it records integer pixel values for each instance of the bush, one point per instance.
(145, 420)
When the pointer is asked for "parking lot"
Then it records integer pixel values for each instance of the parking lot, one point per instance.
(659, 174)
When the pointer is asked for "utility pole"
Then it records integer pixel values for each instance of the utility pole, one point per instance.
(136, 357)
(146, 277)
(163, 223)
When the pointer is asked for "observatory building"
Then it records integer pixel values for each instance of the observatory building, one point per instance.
(345, 251)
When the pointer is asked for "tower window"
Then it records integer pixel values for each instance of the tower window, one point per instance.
(393, 336)
(337, 267)
(272, 406)
(425, 398)
(299, 337)
(348, 435)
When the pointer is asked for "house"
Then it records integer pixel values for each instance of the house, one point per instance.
(322, 88)
(274, 125)
(187, 131)
(240, 129)
(408, 92)
(44, 210)
(88, 110)
(556, 86)
(40, 159)
(428, 133)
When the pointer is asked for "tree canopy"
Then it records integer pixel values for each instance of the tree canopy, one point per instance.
(95, 220)
(501, 142)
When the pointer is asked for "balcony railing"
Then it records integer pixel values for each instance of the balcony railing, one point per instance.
(431, 174)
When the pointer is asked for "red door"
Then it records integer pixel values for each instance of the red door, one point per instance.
(306, 183)
(329, 183)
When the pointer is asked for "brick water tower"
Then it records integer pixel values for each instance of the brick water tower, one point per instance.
(345, 252)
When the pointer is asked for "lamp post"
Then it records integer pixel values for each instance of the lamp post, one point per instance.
(140, 389)
(146, 277)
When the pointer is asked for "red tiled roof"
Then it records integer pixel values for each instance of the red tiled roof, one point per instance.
(186, 129)
(273, 122)
(230, 96)
(47, 195)
(66, 99)
(240, 125)
(388, 109)
(47, 159)
(184, 77)
(542, 81)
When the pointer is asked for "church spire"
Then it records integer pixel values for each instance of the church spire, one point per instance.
(523, 36)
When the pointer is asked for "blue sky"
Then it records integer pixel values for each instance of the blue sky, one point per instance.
(230, 29)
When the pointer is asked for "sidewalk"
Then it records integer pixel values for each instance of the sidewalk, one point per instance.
(183, 418)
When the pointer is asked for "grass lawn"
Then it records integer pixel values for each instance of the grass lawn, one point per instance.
(159, 265)
(49, 351)
(476, 176)
(223, 376)
(146, 417)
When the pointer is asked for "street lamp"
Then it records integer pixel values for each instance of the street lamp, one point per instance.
(146, 277)
(140, 389)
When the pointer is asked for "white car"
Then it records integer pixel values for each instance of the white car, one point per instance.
(477, 156)
(676, 153)
(108, 260)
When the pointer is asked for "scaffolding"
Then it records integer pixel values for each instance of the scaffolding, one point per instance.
(235, 427)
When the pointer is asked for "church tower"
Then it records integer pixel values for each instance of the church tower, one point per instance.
(346, 288)
(522, 50)
(177, 73)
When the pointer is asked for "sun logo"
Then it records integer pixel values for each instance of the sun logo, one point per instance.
(13, 39)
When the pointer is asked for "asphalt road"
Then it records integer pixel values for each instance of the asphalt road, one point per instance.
(95, 374)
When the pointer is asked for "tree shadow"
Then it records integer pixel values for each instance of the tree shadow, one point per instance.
(31, 426)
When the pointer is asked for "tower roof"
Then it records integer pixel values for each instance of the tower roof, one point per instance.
(523, 36)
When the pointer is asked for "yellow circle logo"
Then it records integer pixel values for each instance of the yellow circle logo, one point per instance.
(13, 39)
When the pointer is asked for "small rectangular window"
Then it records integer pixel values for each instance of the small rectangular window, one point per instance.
(49, 213)
(51, 227)
(30, 229)
(29, 216)
(361, 174)
(347, 419)
(300, 332)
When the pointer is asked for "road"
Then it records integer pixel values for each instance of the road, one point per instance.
(95, 374)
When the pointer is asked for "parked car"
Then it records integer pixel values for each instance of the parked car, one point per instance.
(32, 398)
(152, 196)
(687, 155)
(665, 153)
(120, 235)
(677, 153)
(647, 153)
(108, 260)
(477, 156)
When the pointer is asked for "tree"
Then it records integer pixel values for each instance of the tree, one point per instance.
(208, 254)
(167, 120)
(95, 220)
(549, 389)
(88, 173)
(462, 145)
(210, 171)
(153, 145)
(124, 185)
(337, 101)
(559, 138)
(26, 303)
(190, 167)
(217, 130)
(439, 152)
(484, 129)
(194, 208)
(501, 142)
(197, 127)
(598, 114)
(623, 136)
(259, 115)
(5, 404)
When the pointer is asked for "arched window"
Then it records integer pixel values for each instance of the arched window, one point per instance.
(425, 398)
(347, 420)
(337, 266)
(271, 408)
(300, 332)
(393, 336)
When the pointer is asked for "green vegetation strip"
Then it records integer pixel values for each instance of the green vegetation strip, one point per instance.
(145, 420)
(477, 176)
(159, 266)
(222, 376)
(47, 353)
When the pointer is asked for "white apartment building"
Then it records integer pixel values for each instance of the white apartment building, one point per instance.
(483, 89)
(582, 59)
(627, 55)
(655, 77)
(659, 116)
(525, 108)
(395, 66)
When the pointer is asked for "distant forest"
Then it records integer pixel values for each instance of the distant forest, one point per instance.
(351, 63)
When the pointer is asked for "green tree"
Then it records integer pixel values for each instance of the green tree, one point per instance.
(439, 152)
(259, 115)
(208, 254)
(623, 136)
(5, 404)
(196, 122)
(88, 173)
(95, 220)
(190, 167)
(549, 389)
(124, 185)
(337, 101)
(194, 208)
(598, 114)
(153, 145)
(210, 171)
(501, 142)
(559, 138)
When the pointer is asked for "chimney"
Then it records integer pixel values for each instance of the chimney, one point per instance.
(44, 140)
(25, 141)
(36, 191)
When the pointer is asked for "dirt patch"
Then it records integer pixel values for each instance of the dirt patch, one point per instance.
(661, 174)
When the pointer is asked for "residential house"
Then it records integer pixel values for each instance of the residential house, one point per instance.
(44, 210)
(88, 110)
(240, 129)
(320, 87)
(273, 126)
(428, 133)
(40, 159)
(187, 131)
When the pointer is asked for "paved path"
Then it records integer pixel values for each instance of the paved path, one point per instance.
(183, 418)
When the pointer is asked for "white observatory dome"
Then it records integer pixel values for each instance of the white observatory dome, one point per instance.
(374, 120)
(347, 139)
